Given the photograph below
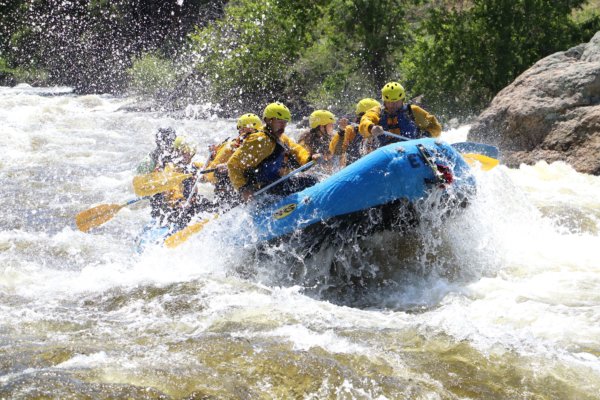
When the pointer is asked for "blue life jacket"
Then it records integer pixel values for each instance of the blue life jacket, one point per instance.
(405, 125)
(268, 170)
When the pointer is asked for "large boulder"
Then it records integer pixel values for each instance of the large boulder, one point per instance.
(550, 112)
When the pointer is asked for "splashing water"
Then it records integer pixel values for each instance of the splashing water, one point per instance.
(498, 300)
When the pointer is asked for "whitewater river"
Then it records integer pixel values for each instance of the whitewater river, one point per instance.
(499, 302)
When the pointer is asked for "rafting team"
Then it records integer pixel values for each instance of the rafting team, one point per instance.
(262, 153)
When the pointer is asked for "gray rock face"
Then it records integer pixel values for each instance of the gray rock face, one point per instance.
(550, 112)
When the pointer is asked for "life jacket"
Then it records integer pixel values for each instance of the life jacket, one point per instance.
(402, 123)
(213, 149)
(269, 169)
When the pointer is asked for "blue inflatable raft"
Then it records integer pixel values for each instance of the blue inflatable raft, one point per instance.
(394, 175)
(388, 180)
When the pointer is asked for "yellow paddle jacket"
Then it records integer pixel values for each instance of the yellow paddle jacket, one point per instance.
(339, 147)
(224, 153)
(254, 150)
(422, 119)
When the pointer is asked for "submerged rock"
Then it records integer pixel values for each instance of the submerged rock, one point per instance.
(550, 112)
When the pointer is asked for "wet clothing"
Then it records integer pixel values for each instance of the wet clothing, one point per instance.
(223, 154)
(346, 143)
(224, 191)
(161, 155)
(158, 158)
(263, 158)
(410, 121)
(314, 141)
(169, 208)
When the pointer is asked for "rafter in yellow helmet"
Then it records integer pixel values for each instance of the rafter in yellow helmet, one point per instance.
(249, 121)
(365, 105)
(393, 91)
(182, 144)
(277, 110)
(321, 117)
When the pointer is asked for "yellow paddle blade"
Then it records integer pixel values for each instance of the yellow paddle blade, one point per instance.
(486, 162)
(96, 216)
(179, 237)
(158, 182)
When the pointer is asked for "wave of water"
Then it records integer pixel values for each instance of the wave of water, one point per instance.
(498, 301)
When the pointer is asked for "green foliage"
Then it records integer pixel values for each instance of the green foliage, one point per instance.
(31, 75)
(152, 76)
(464, 58)
(11, 76)
(373, 32)
(356, 53)
(322, 53)
(245, 56)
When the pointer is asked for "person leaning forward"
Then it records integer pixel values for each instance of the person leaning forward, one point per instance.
(247, 124)
(347, 142)
(161, 155)
(316, 139)
(408, 120)
(267, 155)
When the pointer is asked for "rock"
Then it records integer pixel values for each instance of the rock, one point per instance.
(550, 112)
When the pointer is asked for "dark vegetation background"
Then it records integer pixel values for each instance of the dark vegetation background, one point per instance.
(242, 54)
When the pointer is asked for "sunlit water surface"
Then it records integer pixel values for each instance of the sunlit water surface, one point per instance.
(500, 301)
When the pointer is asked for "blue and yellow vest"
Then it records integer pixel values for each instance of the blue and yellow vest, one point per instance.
(402, 123)
(269, 169)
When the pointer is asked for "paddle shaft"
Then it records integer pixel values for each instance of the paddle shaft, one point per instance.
(135, 200)
(284, 178)
(390, 134)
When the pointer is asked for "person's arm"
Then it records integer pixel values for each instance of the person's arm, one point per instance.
(301, 154)
(348, 137)
(223, 155)
(370, 119)
(336, 144)
(426, 121)
(249, 155)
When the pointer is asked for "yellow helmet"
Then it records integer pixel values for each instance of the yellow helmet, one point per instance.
(183, 145)
(249, 121)
(365, 105)
(277, 110)
(321, 117)
(393, 91)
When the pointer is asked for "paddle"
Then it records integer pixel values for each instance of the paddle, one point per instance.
(481, 148)
(469, 152)
(486, 162)
(144, 186)
(98, 215)
(179, 237)
(161, 181)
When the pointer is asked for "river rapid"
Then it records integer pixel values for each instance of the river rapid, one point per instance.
(501, 301)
